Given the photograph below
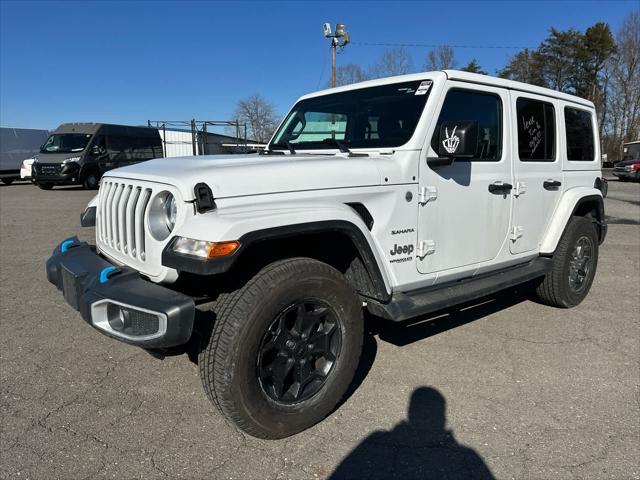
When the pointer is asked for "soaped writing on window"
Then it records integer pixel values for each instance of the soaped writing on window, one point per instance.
(534, 133)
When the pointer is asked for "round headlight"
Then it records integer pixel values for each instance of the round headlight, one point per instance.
(162, 215)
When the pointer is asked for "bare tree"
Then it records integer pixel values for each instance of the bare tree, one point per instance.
(623, 93)
(259, 115)
(440, 58)
(348, 74)
(395, 61)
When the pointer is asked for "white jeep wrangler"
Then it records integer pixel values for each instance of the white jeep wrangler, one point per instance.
(401, 195)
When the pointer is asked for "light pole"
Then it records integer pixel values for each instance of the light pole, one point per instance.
(338, 39)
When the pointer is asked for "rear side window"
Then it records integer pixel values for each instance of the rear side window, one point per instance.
(486, 109)
(119, 147)
(146, 148)
(122, 147)
(579, 128)
(536, 131)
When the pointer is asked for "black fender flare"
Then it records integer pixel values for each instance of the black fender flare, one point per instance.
(600, 221)
(186, 263)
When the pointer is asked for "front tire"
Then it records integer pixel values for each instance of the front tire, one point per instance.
(574, 266)
(90, 180)
(45, 186)
(284, 348)
(7, 181)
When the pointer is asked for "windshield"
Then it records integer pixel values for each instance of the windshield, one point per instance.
(66, 143)
(374, 117)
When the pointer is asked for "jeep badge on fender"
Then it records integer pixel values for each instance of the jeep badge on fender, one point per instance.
(402, 250)
(291, 245)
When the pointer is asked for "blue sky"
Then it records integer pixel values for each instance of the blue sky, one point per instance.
(126, 62)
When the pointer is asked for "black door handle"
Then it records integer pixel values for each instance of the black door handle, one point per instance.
(551, 184)
(499, 187)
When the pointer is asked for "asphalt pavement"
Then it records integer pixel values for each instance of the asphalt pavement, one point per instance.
(507, 388)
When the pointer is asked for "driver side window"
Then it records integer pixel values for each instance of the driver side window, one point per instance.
(486, 109)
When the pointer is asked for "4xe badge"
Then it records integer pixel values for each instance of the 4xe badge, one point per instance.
(402, 249)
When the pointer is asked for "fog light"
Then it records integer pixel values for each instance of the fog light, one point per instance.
(116, 317)
(127, 321)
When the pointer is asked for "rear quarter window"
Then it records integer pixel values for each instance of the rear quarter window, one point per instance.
(580, 137)
(536, 131)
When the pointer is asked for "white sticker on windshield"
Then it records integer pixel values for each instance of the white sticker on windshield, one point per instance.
(424, 87)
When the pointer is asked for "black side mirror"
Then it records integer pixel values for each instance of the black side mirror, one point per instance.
(96, 150)
(458, 139)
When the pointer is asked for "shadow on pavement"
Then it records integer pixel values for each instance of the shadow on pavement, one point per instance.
(420, 447)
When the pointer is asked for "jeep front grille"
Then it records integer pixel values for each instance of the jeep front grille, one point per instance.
(120, 217)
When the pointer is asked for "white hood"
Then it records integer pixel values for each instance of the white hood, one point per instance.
(239, 175)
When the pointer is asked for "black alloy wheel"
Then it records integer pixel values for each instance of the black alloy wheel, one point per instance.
(298, 352)
(580, 263)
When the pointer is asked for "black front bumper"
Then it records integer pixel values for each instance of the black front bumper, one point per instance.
(89, 282)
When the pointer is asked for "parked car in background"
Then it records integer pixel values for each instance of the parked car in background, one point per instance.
(628, 170)
(16, 144)
(80, 153)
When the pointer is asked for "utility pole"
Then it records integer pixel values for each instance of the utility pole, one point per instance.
(338, 39)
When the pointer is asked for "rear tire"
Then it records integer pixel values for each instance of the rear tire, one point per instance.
(574, 266)
(256, 335)
(7, 181)
(45, 186)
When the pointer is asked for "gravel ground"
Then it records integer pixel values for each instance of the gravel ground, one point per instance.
(508, 388)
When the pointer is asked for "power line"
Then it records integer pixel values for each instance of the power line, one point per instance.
(429, 45)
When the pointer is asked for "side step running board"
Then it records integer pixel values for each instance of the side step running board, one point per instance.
(406, 305)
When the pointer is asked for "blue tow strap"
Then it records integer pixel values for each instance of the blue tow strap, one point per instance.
(104, 274)
(65, 245)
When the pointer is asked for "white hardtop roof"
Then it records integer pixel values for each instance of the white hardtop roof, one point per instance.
(462, 77)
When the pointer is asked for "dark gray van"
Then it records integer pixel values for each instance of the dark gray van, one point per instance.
(79, 153)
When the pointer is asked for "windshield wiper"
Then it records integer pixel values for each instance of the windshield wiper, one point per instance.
(334, 141)
(343, 148)
(270, 151)
(290, 147)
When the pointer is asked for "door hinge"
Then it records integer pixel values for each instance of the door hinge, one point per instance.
(517, 232)
(427, 194)
(519, 189)
(425, 247)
